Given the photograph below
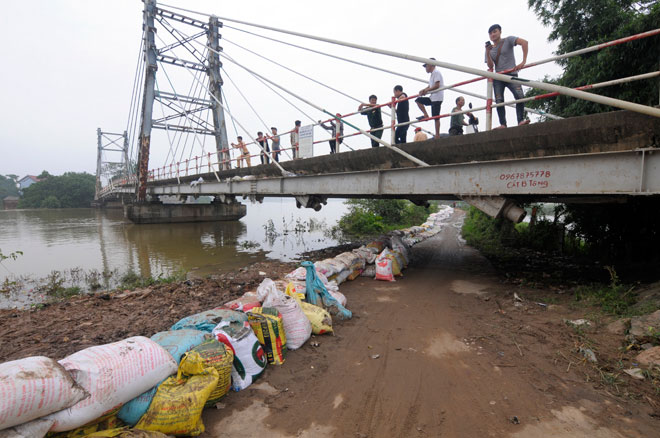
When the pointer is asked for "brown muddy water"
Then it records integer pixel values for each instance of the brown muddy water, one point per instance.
(82, 246)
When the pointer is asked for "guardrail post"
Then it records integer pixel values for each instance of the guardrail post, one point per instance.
(393, 118)
(489, 105)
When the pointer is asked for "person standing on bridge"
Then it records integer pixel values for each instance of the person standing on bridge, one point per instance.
(332, 129)
(374, 117)
(263, 141)
(295, 139)
(244, 153)
(402, 114)
(435, 98)
(275, 140)
(500, 56)
(458, 120)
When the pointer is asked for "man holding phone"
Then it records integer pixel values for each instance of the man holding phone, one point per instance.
(500, 56)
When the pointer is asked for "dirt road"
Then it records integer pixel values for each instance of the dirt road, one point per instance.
(442, 351)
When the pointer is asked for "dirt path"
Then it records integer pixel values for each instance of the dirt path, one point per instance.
(440, 352)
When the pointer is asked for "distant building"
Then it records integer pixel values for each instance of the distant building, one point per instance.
(27, 181)
(10, 203)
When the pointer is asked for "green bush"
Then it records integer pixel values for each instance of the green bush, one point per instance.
(368, 217)
(50, 202)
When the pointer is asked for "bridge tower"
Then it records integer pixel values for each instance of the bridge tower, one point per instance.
(107, 168)
(211, 65)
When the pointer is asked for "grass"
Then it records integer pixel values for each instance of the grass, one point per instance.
(614, 299)
(131, 280)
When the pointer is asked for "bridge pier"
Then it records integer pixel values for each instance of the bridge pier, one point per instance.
(159, 213)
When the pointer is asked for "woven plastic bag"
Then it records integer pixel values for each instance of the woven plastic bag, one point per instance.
(177, 406)
(249, 357)
(266, 323)
(217, 355)
(319, 318)
(33, 387)
(296, 325)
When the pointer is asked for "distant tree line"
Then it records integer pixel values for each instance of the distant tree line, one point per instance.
(70, 190)
(8, 186)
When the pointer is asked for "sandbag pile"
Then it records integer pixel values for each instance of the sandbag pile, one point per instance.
(161, 385)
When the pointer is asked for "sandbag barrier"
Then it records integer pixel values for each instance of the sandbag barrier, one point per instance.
(160, 385)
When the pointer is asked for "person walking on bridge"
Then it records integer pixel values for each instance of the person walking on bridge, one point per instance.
(402, 114)
(244, 153)
(500, 56)
(435, 98)
(332, 129)
(263, 141)
(374, 117)
(295, 140)
(275, 141)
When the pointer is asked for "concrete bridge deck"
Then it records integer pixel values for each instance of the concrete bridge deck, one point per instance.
(602, 154)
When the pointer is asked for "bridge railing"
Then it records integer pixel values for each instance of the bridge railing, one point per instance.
(212, 162)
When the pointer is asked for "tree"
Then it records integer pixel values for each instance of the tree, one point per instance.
(614, 232)
(579, 24)
(7, 186)
(44, 175)
(70, 190)
(373, 216)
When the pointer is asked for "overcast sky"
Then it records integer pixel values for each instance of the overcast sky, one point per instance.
(68, 66)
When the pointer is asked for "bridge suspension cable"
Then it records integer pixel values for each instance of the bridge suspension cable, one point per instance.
(266, 127)
(470, 70)
(384, 143)
(284, 172)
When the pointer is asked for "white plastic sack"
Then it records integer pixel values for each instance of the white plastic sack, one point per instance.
(112, 374)
(33, 429)
(297, 327)
(338, 296)
(398, 245)
(249, 356)
(384, 267)
(33, 387)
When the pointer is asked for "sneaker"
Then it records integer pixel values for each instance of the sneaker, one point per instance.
(524, 122)
(420, 118)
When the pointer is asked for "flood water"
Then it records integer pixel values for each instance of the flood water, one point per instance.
(80, 241)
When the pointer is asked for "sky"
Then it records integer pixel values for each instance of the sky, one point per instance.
(68, 68)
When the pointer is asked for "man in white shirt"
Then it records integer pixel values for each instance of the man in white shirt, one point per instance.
(436, 97)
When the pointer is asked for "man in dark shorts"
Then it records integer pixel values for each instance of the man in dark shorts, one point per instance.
(263, 141)
(374, 117)
(434, 100)
(275, 140)
(332, 129)
(402, 116)
(500, 56)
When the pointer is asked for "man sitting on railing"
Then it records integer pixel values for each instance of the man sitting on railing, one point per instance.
(500, 56)
(244, 153)
(435, 99)
(374, 117)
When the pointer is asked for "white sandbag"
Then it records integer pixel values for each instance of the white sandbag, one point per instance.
(32, 429)
(112, 374)
(398, 245)
(338, 296)
(33, 387)
(249, 356)
(297, 327)
(384, 269)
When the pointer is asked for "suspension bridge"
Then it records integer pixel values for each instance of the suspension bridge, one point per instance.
(605, 157)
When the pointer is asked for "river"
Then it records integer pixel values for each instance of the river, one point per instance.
(77, 243)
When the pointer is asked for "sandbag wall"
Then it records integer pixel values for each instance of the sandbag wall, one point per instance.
(161, 384)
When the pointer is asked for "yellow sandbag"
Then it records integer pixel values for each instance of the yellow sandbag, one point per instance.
(124, 432)
(177, 406)
(106, 422)
(396, 268)
(266, 323)
(291, 291)
(320, 318)
(216, 355)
